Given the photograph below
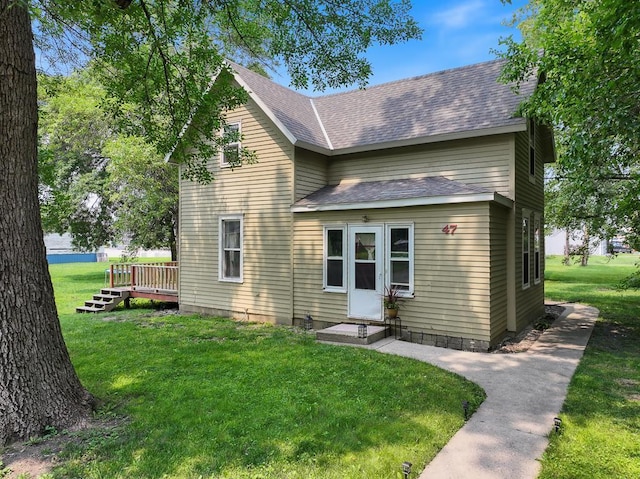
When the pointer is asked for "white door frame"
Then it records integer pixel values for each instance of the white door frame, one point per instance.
(366, 303)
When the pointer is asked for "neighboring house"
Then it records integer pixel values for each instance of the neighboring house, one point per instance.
(58, 244)
(556, 243)
(429, 184)
(60, 250)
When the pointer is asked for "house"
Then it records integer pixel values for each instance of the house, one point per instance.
(60, 250)
(560, 240)
(430, 184)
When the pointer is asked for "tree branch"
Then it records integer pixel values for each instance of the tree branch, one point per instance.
(163, 57)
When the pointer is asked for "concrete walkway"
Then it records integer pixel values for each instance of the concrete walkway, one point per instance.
(507, 435)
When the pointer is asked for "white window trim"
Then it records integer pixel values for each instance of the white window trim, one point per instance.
(532, 147)
(537, 242)
(325, 230)
(526, 282)
(387, 254)
(222, 218)
(225, 164)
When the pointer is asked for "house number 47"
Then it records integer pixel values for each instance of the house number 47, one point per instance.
(449, 229)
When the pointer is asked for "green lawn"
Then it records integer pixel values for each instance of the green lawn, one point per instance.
(601, 416)
(208, 397)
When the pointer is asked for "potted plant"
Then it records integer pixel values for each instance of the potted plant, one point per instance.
(392, 300)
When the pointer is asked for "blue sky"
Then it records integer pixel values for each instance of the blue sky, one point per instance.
(456, 33)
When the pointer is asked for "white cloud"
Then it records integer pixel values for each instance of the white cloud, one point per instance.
(460, 16)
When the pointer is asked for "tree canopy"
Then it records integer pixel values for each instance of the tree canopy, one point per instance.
(161, 55)
(587, 54)
(73, 130)
(96, 182)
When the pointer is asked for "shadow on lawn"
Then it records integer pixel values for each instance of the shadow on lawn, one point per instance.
(209, 398)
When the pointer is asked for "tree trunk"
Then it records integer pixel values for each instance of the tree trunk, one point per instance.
(38, 385)
(173, 245)
(173, 240)
(567, 249)
(584, 260)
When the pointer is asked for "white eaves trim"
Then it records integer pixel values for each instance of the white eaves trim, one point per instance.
(421, 140)
(404, 202)
(167, 157)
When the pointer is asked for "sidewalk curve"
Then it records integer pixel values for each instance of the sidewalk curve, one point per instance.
(507, 435)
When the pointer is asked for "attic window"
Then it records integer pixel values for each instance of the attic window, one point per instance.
(231, 151)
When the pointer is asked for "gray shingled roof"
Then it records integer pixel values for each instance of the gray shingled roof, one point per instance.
(294, 110)
(451, 102)
(387, 191)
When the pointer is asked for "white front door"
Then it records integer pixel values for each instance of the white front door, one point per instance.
(365, 272)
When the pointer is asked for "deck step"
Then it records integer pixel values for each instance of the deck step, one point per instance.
(104, 297)
(105, 301)
(97, 303)
(114, 292)
(348, 334)
(88, 309)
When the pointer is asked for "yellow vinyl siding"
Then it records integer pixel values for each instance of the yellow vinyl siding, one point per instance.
(529, 196)
(310, 172)
(467, 285)
(499, 285)
(262, 193)
(483, 162)
(452, 272)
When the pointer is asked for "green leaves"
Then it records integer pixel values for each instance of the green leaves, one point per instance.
(163, 55)
(96, 181)
(588, 59)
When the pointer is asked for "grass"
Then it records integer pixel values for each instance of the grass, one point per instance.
(212, 398)
(600, 436)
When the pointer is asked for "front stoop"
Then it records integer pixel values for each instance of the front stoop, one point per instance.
(348, 334)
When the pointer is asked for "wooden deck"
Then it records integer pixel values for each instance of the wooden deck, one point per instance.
(157, 281)
(146, 280)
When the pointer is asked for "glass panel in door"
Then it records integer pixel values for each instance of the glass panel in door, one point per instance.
(365, 272)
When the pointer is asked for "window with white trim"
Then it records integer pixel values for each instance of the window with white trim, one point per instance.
(335, 259)
(231, 249)
(532, 151)
(399, 258)
(526, 231)
(536, 248)
(230, 155)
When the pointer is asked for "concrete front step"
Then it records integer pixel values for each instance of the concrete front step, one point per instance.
(348, 334)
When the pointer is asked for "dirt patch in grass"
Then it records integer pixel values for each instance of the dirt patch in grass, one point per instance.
(38, 456)
(33, 459)
(634, 385)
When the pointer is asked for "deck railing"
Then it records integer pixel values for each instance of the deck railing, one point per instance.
(148, 276)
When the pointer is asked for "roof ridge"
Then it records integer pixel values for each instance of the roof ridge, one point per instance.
(408, 79)
(324, 130)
